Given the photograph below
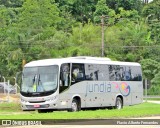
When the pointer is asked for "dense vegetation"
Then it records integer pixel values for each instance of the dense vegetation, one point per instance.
(39, 29)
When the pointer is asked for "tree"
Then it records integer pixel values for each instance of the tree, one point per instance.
(151, 72)
(38, 29)
(152, 15)
(39, 14)
(25, 30)
(87, 38)
(125, 38)
(126, 4)
(11, 3)
(102, 9)
(67, 19)
(37, 22)
(156, 80)
(150, 68)
(81, 10)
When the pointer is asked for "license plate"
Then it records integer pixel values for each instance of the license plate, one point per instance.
(36, 106)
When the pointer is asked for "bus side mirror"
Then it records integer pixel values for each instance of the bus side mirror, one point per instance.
(62, 76)
(19, 77)
(60, 83)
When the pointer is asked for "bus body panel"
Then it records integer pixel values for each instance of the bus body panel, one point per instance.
(92, 93)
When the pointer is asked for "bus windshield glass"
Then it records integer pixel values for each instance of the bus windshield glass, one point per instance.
(39, 79)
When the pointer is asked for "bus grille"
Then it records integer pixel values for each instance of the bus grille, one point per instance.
(36, 101)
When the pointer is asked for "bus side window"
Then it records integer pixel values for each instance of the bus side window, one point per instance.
(78, 73)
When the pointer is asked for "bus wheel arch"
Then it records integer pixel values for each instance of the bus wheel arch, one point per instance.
(76, 104)
(119, 102)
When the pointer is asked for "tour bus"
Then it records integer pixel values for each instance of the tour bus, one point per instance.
(76, 83)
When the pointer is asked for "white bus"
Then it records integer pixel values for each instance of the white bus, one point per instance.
(80, 82)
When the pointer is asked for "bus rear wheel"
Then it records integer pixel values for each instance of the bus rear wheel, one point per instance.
(119, 103)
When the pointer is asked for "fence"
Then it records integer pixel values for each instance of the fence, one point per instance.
(8, 92)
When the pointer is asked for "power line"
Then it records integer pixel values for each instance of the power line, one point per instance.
(153, 46)
(109, 46)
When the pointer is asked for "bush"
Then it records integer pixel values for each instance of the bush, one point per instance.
(154, 90)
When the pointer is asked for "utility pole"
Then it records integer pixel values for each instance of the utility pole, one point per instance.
(102, 24)
(146, 1)
(146, 89)
(4, 82)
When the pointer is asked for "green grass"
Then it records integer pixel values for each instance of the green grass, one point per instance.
(13, 111)
(10, 107)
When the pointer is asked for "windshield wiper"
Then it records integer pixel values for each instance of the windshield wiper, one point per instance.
(40, 83)
(34, 78)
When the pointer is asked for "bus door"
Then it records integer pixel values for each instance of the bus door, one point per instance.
(64, 85)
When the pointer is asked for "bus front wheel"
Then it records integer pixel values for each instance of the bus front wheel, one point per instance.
(119, 103)
(44, 110)
(74, 106)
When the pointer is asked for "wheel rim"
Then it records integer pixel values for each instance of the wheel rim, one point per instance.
(74, 106)
(119, 105)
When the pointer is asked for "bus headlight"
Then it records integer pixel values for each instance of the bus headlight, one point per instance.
(23, 100)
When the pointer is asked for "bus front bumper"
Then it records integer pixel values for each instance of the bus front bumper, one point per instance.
(40, 105)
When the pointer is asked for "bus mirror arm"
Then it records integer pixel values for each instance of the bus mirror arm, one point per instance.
(18, 74)
(18, 77)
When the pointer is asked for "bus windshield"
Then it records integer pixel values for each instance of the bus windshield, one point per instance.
(39, 79)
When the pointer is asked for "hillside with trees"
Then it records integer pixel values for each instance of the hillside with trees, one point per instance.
(40, 29)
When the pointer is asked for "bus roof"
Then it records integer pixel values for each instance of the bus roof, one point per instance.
(80, 59)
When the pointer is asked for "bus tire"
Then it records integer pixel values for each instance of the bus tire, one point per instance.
(41, 111)
(44, 110)
(74, 106)
(119, 103)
